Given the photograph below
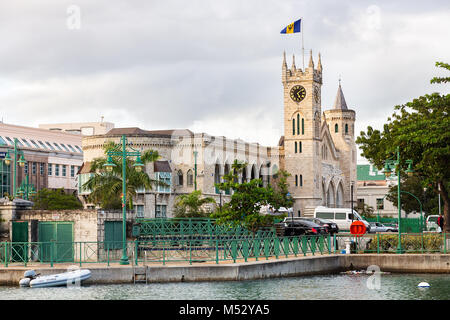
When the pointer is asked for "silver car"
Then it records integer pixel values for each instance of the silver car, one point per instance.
(379, 227)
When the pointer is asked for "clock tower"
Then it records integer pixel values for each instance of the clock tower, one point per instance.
(302, 127)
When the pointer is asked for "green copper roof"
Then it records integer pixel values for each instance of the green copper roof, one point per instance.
(365, 172)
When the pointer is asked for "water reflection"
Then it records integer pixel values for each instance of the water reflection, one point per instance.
(330, 287)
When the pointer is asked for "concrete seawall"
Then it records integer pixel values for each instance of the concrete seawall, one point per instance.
(287, 267)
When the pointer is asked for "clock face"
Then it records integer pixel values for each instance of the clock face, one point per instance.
(298, 93)
(316, 95)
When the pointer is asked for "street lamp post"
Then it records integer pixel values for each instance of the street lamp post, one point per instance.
(390, 164)
(351, 190)
(109, 165)
(26, 189)
(21, 163)
(195, 170)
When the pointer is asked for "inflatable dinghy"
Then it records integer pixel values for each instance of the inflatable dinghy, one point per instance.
(34, 280)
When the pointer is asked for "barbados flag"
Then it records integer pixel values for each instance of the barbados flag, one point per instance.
(293, 27)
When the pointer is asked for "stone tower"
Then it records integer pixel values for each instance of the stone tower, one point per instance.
(341, 123)
(302, 141)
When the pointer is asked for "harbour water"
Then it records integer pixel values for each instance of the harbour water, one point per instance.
(324, 287)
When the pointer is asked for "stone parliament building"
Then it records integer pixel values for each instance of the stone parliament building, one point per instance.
(317, 149)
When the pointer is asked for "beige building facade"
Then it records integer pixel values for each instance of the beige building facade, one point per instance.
(317, 149)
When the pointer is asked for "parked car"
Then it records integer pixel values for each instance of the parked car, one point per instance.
(379, 227)
(343, 217)
(296, 227)
(332, 227)
(431, 223)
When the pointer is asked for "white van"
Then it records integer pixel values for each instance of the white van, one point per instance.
(341, 216)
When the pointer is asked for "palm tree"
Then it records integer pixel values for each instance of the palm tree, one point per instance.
(107, 186)
(190, 205)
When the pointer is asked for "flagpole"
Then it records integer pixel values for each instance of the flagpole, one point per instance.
(303, 48)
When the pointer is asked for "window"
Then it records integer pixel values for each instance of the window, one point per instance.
(300, 147)
(48, 143)
(298, 123)
(296, 180)
(336, 128)
(303, 125)
(190, 178)
(49, 169)
(301, 180)
(65, 148)
(295, 146)
(34, 143)
(166, 178)
(380, 204)
(346, 128)
(43, 145)
(33, 170)
(56, 169)
(9, 141)
(72, 171)
(161, 211)
(139, 210)
(26, 143)
(18, 142)
(293, 127)
(26, 168)
(64, 170)
(340, 215)
(58, 147)
(180, 177)
(41, 169)
(360, 204)
(325, 215)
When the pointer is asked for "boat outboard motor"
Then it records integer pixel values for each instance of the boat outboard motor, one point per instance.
(29, 275)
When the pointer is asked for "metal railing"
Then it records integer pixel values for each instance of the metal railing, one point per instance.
(182, 249)
(388, 243)
(213, 249)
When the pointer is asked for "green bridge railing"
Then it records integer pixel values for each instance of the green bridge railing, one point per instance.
(182, 249)
(188, 227)
(213, 249)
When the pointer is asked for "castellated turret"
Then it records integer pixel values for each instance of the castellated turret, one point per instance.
(295, 73)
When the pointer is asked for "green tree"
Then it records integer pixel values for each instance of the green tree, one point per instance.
(245, 204)
(441, 79)
(420, 129)
(191, 205)
(427, 196)
(107, 186)
(281, 196)
(47, 199)
(366, 211)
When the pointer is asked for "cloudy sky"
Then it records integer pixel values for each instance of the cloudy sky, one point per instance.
(208, 65)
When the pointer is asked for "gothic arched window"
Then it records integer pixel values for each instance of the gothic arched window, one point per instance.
(190, 178)
(346, 128)
(336, 129)
(180, 177)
